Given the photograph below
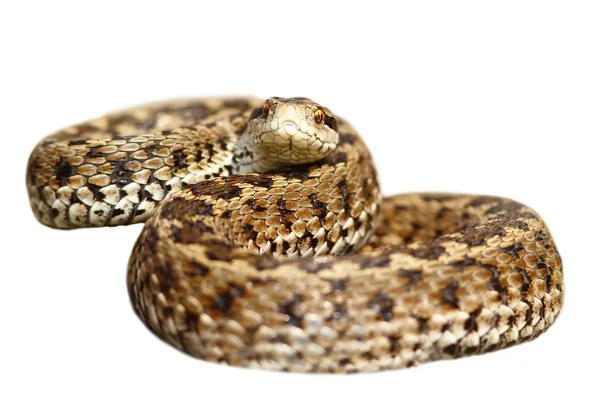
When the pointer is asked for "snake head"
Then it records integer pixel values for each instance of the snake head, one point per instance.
(290, 131)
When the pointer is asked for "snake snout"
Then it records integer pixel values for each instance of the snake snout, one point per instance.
(291, 128)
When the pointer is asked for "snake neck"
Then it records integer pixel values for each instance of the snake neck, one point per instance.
(247, 159)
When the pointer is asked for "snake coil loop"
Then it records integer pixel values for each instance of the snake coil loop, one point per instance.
(267, 242)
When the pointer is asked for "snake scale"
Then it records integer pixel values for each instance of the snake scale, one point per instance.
(267, 242)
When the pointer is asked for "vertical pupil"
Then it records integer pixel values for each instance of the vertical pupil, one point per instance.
(318, 116)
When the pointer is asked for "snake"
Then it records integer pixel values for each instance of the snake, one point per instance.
(268, 244)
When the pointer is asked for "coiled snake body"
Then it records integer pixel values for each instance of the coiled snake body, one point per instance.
(267, 243)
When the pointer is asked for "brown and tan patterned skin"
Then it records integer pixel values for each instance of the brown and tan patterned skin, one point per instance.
(215, 271)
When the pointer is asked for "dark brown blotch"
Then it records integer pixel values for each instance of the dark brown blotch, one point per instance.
(223, 301)
(289, 310)
(384, 305)
(449, 294)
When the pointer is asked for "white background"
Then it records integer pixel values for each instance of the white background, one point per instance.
(488, 97)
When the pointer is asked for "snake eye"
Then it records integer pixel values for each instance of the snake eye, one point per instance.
(319, 116)
(265, 110)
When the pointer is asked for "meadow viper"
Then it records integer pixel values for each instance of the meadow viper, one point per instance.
(267, 242)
